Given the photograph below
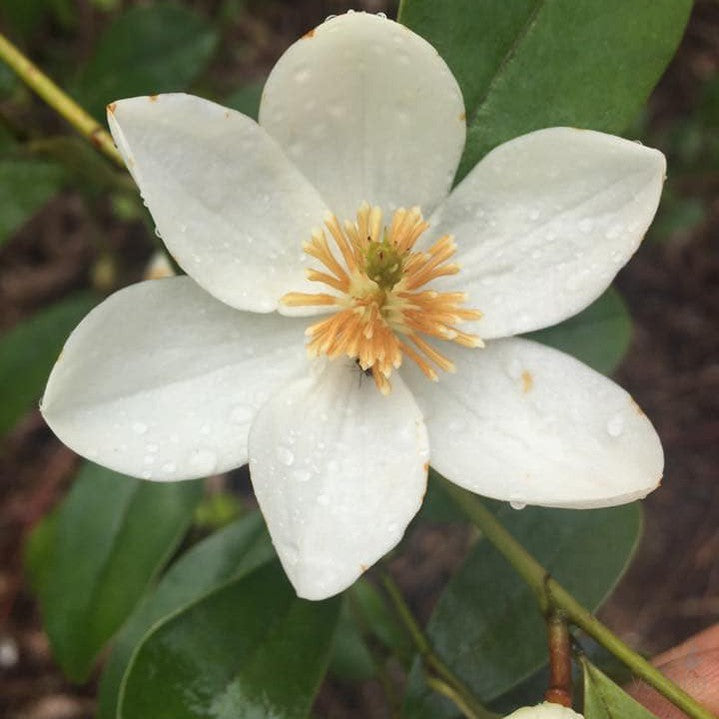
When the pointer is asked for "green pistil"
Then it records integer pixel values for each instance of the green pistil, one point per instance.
(383, 263)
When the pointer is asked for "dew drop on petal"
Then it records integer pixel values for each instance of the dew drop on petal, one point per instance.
(615, 426)
(517, 505)
(514, 369)
(169, 467)
(301, 475)
(323, 499)
(284, 455)
(241, 414)
(203, 461)
(139, 427)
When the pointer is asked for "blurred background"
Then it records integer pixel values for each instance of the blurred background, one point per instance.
(72, 229)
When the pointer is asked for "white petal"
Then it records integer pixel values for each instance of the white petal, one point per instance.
(526, 423)
(368, 111)
(543, 224)
(162, 381)
(230, 207)
(546, 710)
(339, 471)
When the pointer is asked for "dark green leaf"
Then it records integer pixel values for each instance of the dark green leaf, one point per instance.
(110, 537)
(528, 64)
(247, 99)
(250, 649)
(603, 699)
(486, 608)
(28, 351)
(351, 659)
(599, 336)
(25, 186)
(228, 554)
(147, 50)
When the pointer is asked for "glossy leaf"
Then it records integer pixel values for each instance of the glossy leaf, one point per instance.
(25, 186)
(487, 608)
(599, 336)
(28, 351)
(230, 553)
(603, 699)
(250, 649)
(145, 51)
(109, 538)
(528, 64)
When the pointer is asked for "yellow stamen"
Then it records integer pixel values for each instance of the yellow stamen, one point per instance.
(380, 300)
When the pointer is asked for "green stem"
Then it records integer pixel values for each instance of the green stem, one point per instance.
(445, 682)
(552, 595)
(85, 124)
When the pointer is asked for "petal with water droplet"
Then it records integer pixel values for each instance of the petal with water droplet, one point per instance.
(230, 207)
(594, 196)
(161, 380)
(334, 512)
(557, 434)
(386, 124)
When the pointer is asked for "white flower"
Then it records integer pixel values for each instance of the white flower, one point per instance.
(544, 711)
(182, 377)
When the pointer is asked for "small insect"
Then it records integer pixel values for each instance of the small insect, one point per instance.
(362, 372)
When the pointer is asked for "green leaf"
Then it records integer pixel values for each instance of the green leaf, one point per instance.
(111, 536)
(230, 553)
(603, 699)
(145, 51)
(487, 626)
(528, 64)
(246, 99)
(250, 649)
(599, 336)
(25, 186)
(351, 659)
(28, 351)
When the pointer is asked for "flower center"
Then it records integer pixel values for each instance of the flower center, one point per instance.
(384, 311)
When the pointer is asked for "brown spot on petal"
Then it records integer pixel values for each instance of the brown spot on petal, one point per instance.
(364, 567)
(153, 98)
(426, 466)
(111, 108)
(527, 381)
(309, 34)
(637, 409)
(462, 116)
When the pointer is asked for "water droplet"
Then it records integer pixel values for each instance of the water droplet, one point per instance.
(534, 214)
(149, 459)
(301, 475)
(333, 465)
(285, 455)
(241, 414)
(383, 15)
(613, 232)
(169, 467)
(139, 427)
(323, 499)
(585, 225)
(514, 368)
(615, 426)
(392, 528)
(152, 448)
(330, 17)
(517, 505)
(203, 461)
(157, 233)
(205, 429)
(302, 76)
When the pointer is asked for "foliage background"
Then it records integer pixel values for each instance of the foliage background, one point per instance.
(78, 239)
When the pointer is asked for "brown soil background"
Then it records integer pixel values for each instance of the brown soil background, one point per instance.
(672, 369)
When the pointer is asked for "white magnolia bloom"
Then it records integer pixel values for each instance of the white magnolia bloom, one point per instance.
(546, 710)
(179, 378)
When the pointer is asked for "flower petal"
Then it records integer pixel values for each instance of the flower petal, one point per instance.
(339, 470)
(230, 207)
(368, 111)
(544, 222)
(546, 710)
(526, 423)
(162, 381)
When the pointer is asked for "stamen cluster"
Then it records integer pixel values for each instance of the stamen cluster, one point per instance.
(382, 310)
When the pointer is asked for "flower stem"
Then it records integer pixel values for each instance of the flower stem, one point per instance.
(553, 597)
(32, 76)
(442, 680)
(560, 660)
